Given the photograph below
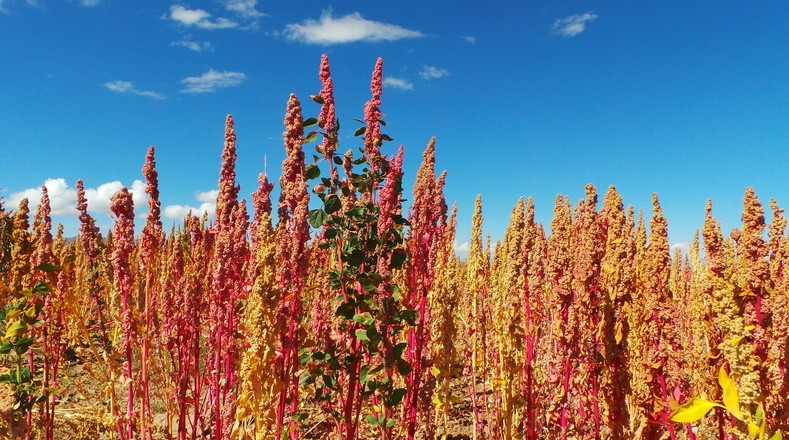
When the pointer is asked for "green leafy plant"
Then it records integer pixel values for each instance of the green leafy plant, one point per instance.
(355, 376)
(20, 317)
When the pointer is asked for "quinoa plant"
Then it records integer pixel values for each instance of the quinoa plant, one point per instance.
(354, 374)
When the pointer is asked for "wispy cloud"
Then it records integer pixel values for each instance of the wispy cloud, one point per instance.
(197, 46)
(38, 4)
(347, 29)
(398, 83)
(5, 10)
(197, 18)
(207, 205)
(573, 25)
(212, 80)
(470, 39)
(244, 8)
(433, 72)
(461, 249)
(63, 198)
(682, 246)
(128, 87)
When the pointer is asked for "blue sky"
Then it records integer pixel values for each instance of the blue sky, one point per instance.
(686, 99)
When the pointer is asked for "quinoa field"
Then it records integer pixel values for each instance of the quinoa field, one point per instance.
(336, 307)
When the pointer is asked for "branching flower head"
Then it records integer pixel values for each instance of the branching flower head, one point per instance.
(327, 117)
(372, 115)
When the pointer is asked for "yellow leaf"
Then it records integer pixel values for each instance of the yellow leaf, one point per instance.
(735, 341)
(750, 328)
(753, 430)
(693, 410)
(12, 315)
(618, 333)
(730, 398)
(438, 401)
(17, 328)
(436, 371)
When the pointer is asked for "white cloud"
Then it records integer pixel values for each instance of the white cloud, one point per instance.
(198, 18)
(470, 39)
(99, 198)
(347, 29)
(212, 80)
(683, 247)
(208, 205)
(398, 83)
(128, 87)
(196, 46)
(573, 25)
(244, 8)
(433, 72)
(461, 249)
(63, 199)
(89, 3)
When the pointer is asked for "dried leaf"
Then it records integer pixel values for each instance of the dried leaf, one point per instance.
(693, 410)
(730, 398)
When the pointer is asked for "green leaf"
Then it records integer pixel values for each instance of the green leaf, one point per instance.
(403, 367)
(399, 220)
(332, 204)
(730, 398)
(693, 410)
(41, 288)
(759, 415)
(372, 420)
(23, 344)
(399, 256)
(390, 423)
(312, 172)
(311, 136)
(49, 267)
(330, 233)
(364, 318)
(355, 258)
(777, 436)
(409, 316)
(357, 212)
(317, 98)
(398, 349)
(310, 122)
(317, 218)
(346, 310)
(386, 138)
(337, 160)
(397, 397)
(361, 335)
(363, 373)
(360, 131)
(5, 348)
